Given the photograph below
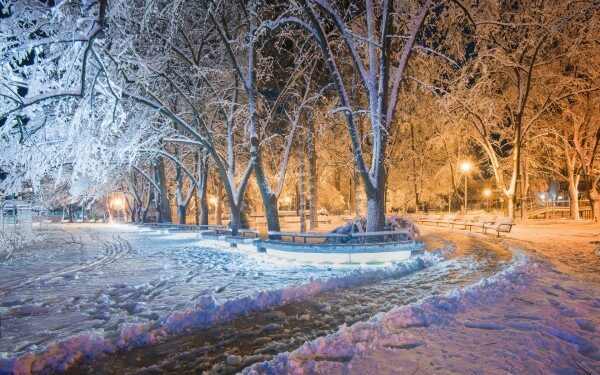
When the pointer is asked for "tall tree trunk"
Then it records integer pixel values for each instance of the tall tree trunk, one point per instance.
(312, 173)
(376, 204)
(181, 208)
(181, 213)
(163, 206)
(574, 197)
(594, 197)
(70, 212)
(510, 206)
(236, 222)
(301, 202)
(202, 202)
(197, 209)
(414, 166)
(358, 202)
(219, 205)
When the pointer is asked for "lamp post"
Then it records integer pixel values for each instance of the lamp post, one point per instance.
(486, 194)
(465, 167)
(118, 205)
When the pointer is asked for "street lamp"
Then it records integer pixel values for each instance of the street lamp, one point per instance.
(465, 167)
(117, 204)
(487, 193)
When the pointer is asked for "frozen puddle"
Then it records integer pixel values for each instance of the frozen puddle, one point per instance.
(95, 289)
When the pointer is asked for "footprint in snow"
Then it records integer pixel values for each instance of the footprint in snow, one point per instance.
(484, 325)
(586, 325)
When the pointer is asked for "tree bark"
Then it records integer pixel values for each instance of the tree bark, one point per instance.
(181, 214)
(312, 173)
(574, 199)
(594, 197)
(376, 205)
(301, 202)
(219, 206)
(163, 206)
(202, 202)
(510, 206)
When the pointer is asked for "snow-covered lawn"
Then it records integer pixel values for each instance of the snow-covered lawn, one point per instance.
(89, 289)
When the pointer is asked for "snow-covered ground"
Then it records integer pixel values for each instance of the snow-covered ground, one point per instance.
(541, 315)
(528, 302)
(90, 289)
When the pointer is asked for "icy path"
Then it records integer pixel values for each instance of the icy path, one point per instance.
(229, 347)
(91, 289)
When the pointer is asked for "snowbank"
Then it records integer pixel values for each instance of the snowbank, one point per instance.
(506, 323)
(59, 356)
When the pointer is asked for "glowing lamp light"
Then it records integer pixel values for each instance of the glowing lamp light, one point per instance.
(542, 196)
(287, 200)
(466, 166)
(117, 203)
(487, 193)
(212, 200)
(560, 197)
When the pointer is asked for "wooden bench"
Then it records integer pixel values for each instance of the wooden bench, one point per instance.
(324, 219)
(464, 221)
(252, 233)
(481, 222)
(430, 218)
(501, 224)
(446, 219)
(305, 236)
(498, 224)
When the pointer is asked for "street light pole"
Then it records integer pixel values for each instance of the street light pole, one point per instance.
(466, 201)
(465, 167)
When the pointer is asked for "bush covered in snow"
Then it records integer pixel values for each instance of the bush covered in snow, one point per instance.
(11, 240)
(392, 223)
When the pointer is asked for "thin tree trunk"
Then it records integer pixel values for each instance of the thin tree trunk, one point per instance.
(201, 200)
(197, 208)
(357, 194)
(301, 202)
(414, 166)
(163, 206)
(219, 205)
(181, 208)
(312, 173)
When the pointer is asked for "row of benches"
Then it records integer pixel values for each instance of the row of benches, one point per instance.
(218, 230)
(496, 224)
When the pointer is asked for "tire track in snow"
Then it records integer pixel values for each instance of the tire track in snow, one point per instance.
(112, 250)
